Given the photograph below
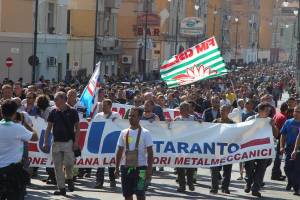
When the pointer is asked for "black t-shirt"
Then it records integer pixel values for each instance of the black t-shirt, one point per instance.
(63, 124)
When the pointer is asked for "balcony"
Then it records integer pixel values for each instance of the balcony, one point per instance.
(108, 45)
(112, 3)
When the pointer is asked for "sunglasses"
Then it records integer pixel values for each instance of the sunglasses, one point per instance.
(29, 97)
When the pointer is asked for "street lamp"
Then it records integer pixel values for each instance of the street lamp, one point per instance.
(95, 34)
(236, 37)
(285, 4)
(35, 40)
(196, 7)
(215, 13)
(298, 48)
(177, 25)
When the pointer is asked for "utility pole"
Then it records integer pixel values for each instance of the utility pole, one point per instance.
(214, 25)
(275, 43)
(298, 51)
(258, 44)
(145, 42)
(95, 35)
(177, 26)
(236, 38)
(292, 46)
(35, 40)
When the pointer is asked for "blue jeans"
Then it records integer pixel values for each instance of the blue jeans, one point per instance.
(292, 168)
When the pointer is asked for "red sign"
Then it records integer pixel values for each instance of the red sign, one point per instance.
(150, 31)
(150, 18)
(9, 62)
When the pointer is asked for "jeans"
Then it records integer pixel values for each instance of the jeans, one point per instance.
(292, 168)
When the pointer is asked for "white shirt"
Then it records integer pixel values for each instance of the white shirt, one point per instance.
(12, 138)
(114, 115)
(145, 141)
(224, 102)
(236, 115)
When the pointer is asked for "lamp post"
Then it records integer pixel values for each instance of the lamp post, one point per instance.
(177, 26)
(197, 8)
(145, 42)
(258, 38)
(214, 24)
(296, 12)
(35, 40)
(95, 35)
(236, 37)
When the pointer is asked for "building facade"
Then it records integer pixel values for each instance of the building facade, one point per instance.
(82, 16)
(149, 31)
(284, 40)
(16, 38)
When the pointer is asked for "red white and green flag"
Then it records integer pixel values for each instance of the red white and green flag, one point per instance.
(202, 61)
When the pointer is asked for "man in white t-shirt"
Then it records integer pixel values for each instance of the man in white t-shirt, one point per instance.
(135, 171)
(106, 114)
(12, 138)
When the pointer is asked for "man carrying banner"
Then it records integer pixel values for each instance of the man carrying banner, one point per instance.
(215, 171)
(106, 114)
(63, 120)
(185, 172)
(135, 155)
(255, 169)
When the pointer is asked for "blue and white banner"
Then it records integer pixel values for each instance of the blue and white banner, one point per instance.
(179, 144)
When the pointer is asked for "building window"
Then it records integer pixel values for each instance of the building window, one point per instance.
(107, 16)
(68, 21)
(68, 62)
(113, 69)
(106, 70)
(281, 31)
(51, 27)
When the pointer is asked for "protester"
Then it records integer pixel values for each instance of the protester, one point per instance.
(106, 114)
(148, 113)
(279, 120)
(63, 120)
(185, 175)
(296, 157)
(255, 169)
(215, 171)
(210, 114)
(289, 133)
(12, 138)
(135, 157)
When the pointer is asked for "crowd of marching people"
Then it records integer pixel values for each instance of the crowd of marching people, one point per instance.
(241, 95)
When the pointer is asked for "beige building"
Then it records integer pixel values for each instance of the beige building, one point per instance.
(16, 38)
(243, 28)
(161, 17)
(285, 26)
(81, 26)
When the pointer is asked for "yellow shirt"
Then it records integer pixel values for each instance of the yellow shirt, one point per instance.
(231, 97)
